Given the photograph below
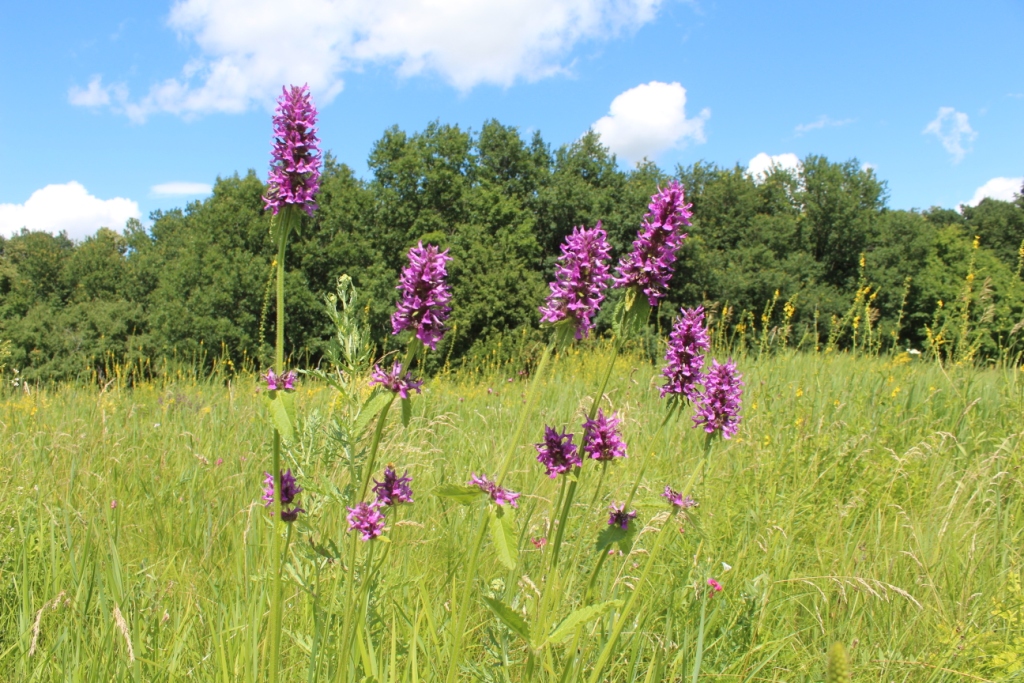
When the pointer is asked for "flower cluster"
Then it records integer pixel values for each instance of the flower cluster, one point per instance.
(423, 305)
(581, 277)
(715, 586)
(649, 265)
(498, 494)
(557, 452)
(394, 489)
(686, 344)
(619, 517)
(289, 490)
(394, 381)
(676, 499)
(719, 410)
(295, 160)
(601, 438)
(284, 381)
(366, 519)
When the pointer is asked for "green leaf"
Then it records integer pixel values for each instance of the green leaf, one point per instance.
(615, 534)
(406, 411)
(466, 495)
(515, 622)
(371, 408)
(503, 533)
(581, 616)
(282, 411)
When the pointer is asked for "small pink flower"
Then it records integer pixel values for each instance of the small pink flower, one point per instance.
(113, 505)
(539, 542)
(715, 586)
(220, 461)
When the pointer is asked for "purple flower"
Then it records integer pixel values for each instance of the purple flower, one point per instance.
(394, 489)
(557, 452)
(423, 305)
(498, 494)
(289, 490)
(675, 498)
(285, 381)
(720, 403)
(649, 265)
(619, 517)
(366, 518)
(581, 277)
(394, 381)
(715, 586)
(601, 438)
(686, 344)
(295, 160)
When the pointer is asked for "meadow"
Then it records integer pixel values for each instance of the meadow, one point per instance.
(872, 500)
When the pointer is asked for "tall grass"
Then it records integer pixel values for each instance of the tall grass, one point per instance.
(873, 501)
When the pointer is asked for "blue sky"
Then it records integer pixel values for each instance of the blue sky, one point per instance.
(116, 109)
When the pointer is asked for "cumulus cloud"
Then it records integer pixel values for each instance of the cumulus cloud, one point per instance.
(762, 165)
(1003, 189)
(822, 122)
(181, 189)
(68, 207)
(466, 42)
(649, 119)
(953, 130)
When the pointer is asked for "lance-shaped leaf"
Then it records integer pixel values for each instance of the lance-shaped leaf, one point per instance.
(581, 616)
(371, 408)
(508, 616)
(503, 534)
(406, 412)
(281, 405)
(466, 495)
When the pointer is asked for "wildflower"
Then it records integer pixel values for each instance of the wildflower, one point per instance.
(686, 344)
(295, 160)
(285, 381)
(720, 402)
(423, 305)
(601, 438)
(289, 490)
(649, 265)
(557, 452)
(619, 517)
(539, 542)
(675, 498)
(498, 494)
(715, 586)
(366, 518)
(581, 277)
(394, 381)
(394, 489)
(113, 505)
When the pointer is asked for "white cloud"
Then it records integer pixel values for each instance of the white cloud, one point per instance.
(68, 207)
(762, 165)
(181, 189)
(822, 122)
(953, 129)
(868, 166)
(250, 48)
(649, 119)
(1003, 189)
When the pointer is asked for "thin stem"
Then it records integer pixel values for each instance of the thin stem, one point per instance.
(463, 605)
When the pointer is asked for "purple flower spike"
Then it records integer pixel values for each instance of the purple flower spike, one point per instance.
(557, 452)
(720, 403)
(289, 490)
(619, 517)
(271, 378)
(394, 489)
(367, 520)
(498, 494)
(394, 381)
(649, 265)
(581, 277)
(285, 381)
(295, 160)
(425, 295)
(686, 345)
(676, 500)
(289, 379)
(601, 438)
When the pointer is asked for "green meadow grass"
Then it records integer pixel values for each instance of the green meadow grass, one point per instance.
(875, 502)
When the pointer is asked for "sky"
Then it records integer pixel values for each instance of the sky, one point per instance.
(117, 109)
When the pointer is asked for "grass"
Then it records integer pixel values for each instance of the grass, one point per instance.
(871, 501)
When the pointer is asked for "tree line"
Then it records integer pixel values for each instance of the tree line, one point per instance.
(194, 285)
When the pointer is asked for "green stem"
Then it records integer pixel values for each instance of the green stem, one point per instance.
(700, 639)
(463, 607)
